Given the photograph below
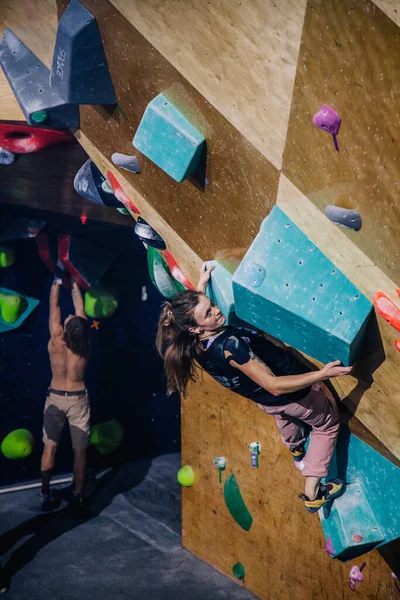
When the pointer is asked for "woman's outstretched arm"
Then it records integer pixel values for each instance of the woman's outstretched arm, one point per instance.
(259, 372)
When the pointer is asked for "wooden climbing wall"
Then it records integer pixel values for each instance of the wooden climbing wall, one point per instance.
(231, 67)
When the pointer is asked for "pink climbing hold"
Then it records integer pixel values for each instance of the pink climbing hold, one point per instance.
(357, 538)
(387, 309)
(120, 194)
(329, 546)
(327, 120)
(356, 575)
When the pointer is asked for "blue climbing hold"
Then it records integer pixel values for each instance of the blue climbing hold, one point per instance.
(167, 138)
(288, 288)
(343, 216)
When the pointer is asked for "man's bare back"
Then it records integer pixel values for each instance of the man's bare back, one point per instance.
(68, 369)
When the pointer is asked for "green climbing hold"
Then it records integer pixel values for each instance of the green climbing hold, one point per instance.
(123, 210)
(101, 302)
(7, 256)
(186, 476)
(17, 444)
(39, 116)
(235, 503)
(238, 570)
(12, 307)
(107, 436)
(161, 276)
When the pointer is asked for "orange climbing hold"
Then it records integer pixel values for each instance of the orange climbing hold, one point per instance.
(120, 194)
(387, 309)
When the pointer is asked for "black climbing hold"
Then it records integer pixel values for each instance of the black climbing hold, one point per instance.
(343, 216)
(79, 72)
(90, 183)
(148, 235)
(29, 80)
(130, 163)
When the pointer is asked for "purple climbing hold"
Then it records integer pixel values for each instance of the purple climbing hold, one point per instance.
(343, 216)
(6, 157)
(329, 546)
(327, 119)
(130, 163)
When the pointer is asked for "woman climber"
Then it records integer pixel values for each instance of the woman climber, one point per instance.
(192, 330)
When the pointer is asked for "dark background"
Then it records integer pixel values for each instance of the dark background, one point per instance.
(124, 378)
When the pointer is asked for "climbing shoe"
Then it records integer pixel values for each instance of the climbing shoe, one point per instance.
(326, 493)
(47, 502)
(298, 455)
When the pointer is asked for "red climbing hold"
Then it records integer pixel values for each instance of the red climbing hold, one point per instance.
(48, 252)
(176, 271)
(397, 344)
(83, 219)
(64, 241)
(22, 139)
(120, 194)
(387, 309)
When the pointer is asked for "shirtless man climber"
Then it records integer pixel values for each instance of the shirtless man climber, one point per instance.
(67, 399)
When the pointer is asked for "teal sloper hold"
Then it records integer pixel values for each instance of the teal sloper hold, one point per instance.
(288, 288)
(235, 503)
(167, 138)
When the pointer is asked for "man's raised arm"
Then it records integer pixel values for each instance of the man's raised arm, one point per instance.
(78, 300)
(55, 326)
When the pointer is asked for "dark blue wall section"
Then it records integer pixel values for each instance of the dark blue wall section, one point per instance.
(125, 374)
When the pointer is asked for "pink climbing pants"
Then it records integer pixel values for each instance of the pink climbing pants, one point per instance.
(318, 410)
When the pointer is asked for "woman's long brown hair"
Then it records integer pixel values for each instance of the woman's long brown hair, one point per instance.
(178, 347)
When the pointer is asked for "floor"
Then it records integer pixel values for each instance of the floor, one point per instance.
(129, 548)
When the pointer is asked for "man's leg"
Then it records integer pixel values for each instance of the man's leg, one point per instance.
(47, 465)
(53, 423)
(79, 470)
(79, 424)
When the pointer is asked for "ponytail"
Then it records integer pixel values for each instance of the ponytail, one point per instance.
(176, 344)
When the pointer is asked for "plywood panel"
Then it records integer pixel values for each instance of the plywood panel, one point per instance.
(34, 22)
(391, 8)
(349, 60)
(242, 184)
(283, 553)
(187, 259)
(240, 55)
(9, 107)
(377, 372)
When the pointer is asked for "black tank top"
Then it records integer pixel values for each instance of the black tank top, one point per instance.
(239, 341)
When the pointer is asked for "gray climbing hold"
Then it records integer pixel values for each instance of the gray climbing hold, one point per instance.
(89, 183)
(130, 163)
(148, 235)
(6, 157)
(343, 216)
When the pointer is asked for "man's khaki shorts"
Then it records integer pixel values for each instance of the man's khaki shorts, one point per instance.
(60, 408)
